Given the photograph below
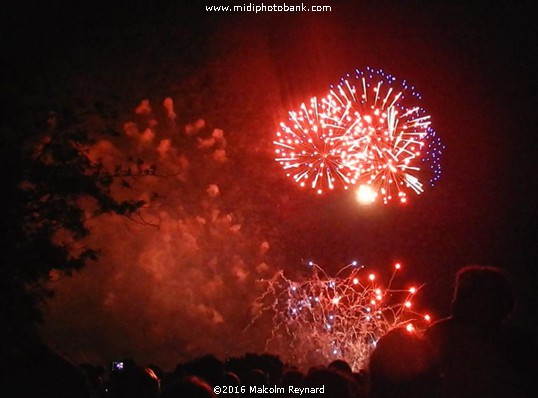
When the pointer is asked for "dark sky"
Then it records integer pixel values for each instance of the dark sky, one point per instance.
(474, 66)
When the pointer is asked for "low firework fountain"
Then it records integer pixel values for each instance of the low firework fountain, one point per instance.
(325, 318)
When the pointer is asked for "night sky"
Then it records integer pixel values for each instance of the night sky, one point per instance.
(474, 66)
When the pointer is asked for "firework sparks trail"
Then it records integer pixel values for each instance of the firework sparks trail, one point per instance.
(326, 318)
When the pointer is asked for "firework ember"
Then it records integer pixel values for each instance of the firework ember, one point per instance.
(434, 149)
(326, 318)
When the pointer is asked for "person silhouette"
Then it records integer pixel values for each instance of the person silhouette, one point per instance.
(401, 366)
(473, 348)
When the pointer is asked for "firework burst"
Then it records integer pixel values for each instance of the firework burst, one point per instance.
(387, 134)
(312, 146)
(325, 318)
(369, 132)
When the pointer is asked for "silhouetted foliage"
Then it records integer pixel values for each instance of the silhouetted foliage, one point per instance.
(50, 176)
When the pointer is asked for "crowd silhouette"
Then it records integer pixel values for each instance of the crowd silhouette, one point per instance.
(472, 353)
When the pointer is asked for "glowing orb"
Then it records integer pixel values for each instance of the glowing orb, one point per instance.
(366, 195)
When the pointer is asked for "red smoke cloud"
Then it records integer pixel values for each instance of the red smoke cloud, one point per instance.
(177, 280)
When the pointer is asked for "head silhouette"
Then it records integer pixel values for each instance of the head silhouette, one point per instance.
(342, 366)
(482, 296)
(401, 365)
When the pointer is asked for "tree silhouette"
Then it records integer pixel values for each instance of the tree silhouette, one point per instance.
(52, 186)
